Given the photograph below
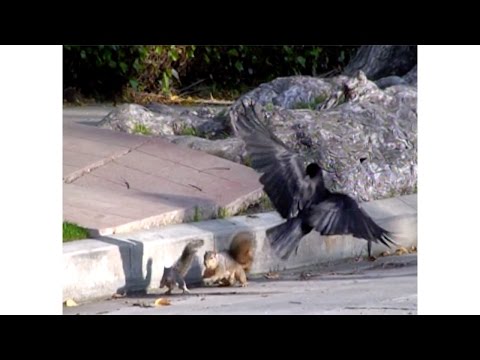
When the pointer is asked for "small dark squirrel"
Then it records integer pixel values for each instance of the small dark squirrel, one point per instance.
(227, 267)
(175, 275)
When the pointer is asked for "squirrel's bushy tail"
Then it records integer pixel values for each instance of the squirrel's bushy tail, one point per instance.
(186, 259)
(242, 249)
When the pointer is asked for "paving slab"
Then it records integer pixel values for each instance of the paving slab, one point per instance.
(116, 182)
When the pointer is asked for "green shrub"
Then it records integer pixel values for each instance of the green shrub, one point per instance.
(163, 65)
(104, 72)
(251, 65)
(100, 71)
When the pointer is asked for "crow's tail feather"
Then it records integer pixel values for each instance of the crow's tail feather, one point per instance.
(285, 238)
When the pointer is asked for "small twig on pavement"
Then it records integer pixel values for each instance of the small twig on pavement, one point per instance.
(196, 187)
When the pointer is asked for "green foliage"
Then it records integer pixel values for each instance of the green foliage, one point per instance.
(162, 66)
(105, 71)
(188, 130)
(312, 105)
(263, 204)
(269, 107)
(197, 215)
(247, 161)
(141, 129)
(73, 232)
(222, 213)
(233, 65)
(100, 71)
(391, 193)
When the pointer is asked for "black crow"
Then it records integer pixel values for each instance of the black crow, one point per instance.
(298, 192)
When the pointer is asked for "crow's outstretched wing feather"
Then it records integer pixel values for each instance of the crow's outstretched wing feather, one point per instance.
(282, 170)
(340, 214)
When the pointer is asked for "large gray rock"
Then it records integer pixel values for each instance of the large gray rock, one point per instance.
(409, 78)
(388, 81)
(129, 117)
(294, 91)
(366, 137)
(158, 119)
(232, 149)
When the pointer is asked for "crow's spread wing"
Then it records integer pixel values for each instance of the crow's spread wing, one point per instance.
(282, 170)
(340, 214)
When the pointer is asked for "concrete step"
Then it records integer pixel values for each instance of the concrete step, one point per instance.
(100, 267)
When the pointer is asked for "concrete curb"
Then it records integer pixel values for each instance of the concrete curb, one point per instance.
(97, 268)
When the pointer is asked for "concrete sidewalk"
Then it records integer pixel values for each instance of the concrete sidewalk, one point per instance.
(116, 182)
(387, 286)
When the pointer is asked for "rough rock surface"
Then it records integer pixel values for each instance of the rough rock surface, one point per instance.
(366, 137)
(232, 149)
(160, 119)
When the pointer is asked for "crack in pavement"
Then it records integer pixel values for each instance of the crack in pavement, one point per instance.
(87, 169)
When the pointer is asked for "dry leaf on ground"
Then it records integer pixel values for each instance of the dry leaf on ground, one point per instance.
(272, 275)
(162, 302)
(70, 303)
(305, 275)
(118, 296)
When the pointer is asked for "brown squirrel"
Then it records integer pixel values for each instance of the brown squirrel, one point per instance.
(174, 275)
(227, 267)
